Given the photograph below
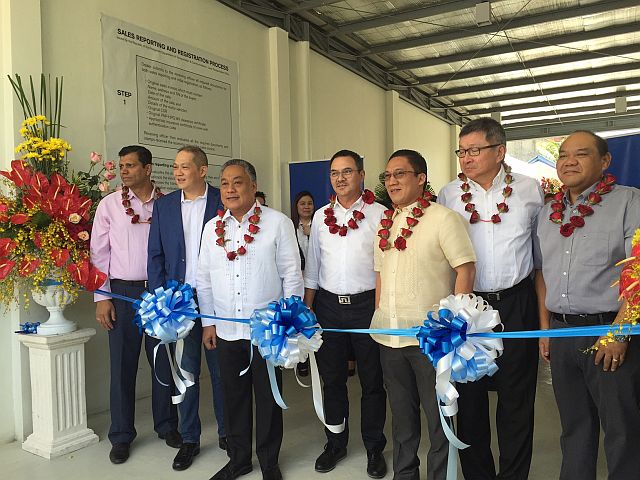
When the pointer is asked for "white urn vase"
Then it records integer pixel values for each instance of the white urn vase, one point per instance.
(55, 299)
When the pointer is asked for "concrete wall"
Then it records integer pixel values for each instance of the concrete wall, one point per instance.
(294, 105)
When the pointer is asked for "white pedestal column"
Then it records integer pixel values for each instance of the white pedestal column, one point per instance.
(58, 395)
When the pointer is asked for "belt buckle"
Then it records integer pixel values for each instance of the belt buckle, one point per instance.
(344, 299)
(493, 296)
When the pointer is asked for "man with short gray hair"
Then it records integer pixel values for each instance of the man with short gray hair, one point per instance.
(248, 258)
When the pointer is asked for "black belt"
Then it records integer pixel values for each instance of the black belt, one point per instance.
(130, 283)
(502, 294)
(349, 299)
(585, 318)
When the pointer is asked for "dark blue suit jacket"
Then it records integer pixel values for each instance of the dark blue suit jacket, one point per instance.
(166, 260)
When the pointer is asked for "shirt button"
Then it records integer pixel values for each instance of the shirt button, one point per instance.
(567, 252)
(238, 309)
(563, 295)
(238, 293)
(237, 276)
(564, 273)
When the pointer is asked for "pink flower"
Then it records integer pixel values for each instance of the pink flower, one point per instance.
(109, 166)
(104, 186)
(75, 218)
(83, 235)
(95, 157)
(109, 176)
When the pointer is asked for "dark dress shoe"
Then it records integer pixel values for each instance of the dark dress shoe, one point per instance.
(222, 443)
(329, 458)
(376, 465)
(273, 473)
(171, 438)
(230, 472)
(185, 455)
(119, 453)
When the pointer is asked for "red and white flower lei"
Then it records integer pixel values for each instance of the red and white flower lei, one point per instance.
(248, 237)
(502, 207)
(400, 243)
(128, 209)
(330, 220)
(584, 209)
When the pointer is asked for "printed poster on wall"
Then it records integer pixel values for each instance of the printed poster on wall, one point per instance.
(164, 94)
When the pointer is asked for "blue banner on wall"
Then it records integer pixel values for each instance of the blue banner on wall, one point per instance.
(624, 164)
(312, 177)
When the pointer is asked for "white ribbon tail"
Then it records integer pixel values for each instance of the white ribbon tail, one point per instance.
(274, 385)
(316, 389)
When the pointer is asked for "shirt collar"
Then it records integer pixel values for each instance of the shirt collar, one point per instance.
(582, 196)
(356, 205)
(183, 200)
(497, 180)
(227, 213)
(133, 195)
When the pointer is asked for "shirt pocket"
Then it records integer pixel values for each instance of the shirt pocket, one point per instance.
(592, 249)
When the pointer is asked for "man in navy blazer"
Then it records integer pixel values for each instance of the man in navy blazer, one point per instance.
(174, 246)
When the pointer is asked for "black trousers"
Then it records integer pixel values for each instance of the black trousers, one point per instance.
(238, 405)
(411, 383)
(588, 397)
(332, 364)
(515, 383)
(125, 342)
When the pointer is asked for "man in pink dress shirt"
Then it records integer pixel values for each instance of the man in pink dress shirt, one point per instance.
(119, 248)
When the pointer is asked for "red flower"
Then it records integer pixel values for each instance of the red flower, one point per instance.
(37, 240)
(506, 191)
(220, 213)
(343, 231)
(557, 207)
(417, 212)
(556, 217)
(609, 179)
(352, 224)
(412, 222)
(594, 198)
(585, 210)
(495, 218)
(386, 222)
(231, 255)
(6, 266)
(423, 202)
(126, 203)
(462, 177)
(508, 179)
(465, 187)
(389, 213)
(20, 173)
(400, 243)
(257, 210)
(383, 244)
(502, 207)
(248, 238)
(384, 233)
(577, 221)
(470, 207)
(465, 197)
(220, 242)
(358, 215)
(135, 219)
(20, 218)
(330, 221)
(4, 212)
(219, 232)
(254, 219)
(87, 275)
(254, 228)
(242, 251)
(567, 229)
(219, 224)
(129, 211)
(333, 229)
(602, 188)
(60, 256)
(558, 196)
(27, 267)
(328, 212)
(368, 197)
(6, 246)
(475, 217)
(405, 232)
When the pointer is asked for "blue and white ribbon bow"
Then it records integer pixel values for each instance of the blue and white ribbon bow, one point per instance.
(29, 327)
(286, 333)
(168, 314)
(457, 355)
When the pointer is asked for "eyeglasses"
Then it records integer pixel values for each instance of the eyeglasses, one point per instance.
(346, 173)
(473, 151)
(397, 174)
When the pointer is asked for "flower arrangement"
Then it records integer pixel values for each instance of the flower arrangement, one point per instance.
(630, 281)
(550, 186)
(45, 220)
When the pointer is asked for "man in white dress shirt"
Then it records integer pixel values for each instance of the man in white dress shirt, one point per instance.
(248, 258)
(502, 209)
(340, 285)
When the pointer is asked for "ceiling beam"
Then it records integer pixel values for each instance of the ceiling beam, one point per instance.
(621, 29)
(403, 16)
(595, 123)
(565, 111)
(538, 79)
(552, 103)
(537, 63)
(620, 82)
(311, 4)
(510, 24)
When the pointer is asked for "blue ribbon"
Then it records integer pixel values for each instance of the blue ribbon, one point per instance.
(29, 327)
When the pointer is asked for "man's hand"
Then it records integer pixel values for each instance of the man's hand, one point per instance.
(543, 346)
(209, 337)
(105, 313)
(611, 353)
